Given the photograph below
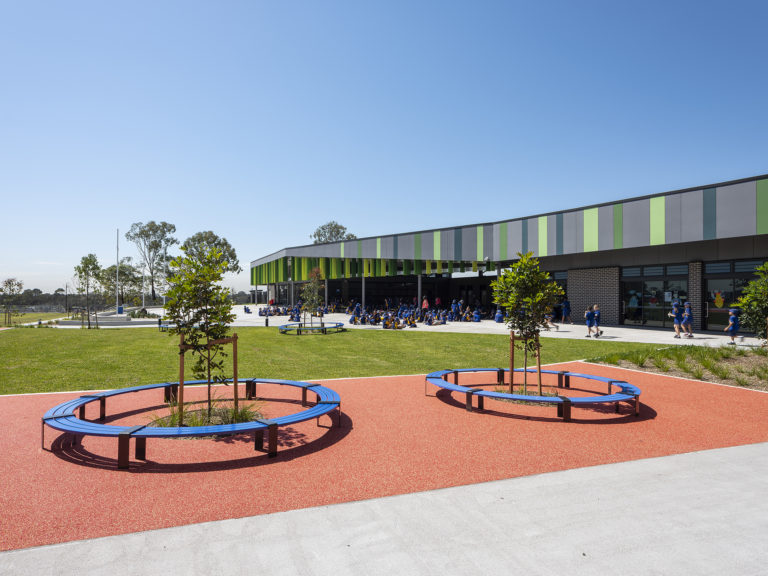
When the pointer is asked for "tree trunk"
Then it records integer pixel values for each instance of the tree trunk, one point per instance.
(234, 369)
(511, 361)
(525, 368)
(209, 381)
(180, 398)
(538, 362)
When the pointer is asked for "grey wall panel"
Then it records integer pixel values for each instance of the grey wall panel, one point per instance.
(605, 228)
(533, 236)
(323, 251)
(469, 243)
(514, 238)
(446, 244)
(736, 207)
(427, 245)
(673, 224)
(551, 234)
(569, 232)
(579, 220)
(692, 216)
(495, 256)
(489, 248)
(637, 223)
(387, 247)
(369, 247)
(405, 247)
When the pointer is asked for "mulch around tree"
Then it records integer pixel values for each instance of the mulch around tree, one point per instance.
(393, 440)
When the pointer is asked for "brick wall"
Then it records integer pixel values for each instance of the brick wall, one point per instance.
(695, 292)
(594, 286)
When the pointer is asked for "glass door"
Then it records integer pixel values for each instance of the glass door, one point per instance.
(653, 303)
(718, 299)
(632, 302)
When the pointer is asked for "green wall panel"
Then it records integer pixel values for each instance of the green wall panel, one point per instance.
(542, 235)
(658, 223)
(591, 231)
(480, 250)
(436, 244)
(503, 241)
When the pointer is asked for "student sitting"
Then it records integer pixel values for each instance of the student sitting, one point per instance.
(476, 315)
(499, 317)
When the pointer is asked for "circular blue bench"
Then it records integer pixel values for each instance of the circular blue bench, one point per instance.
(300, 327)
(64, 418)
(625, 392)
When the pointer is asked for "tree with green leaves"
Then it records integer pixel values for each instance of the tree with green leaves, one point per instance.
(331, 232)
(311, 299)
(198, 244)
(153, 240)
(10, 290)
(527, 294)
(87, 274)
(754, 303)
(200, 309)
(130, 282)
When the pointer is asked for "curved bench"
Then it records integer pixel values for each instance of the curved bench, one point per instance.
(626, 392)
(300, 327)
(63, 418)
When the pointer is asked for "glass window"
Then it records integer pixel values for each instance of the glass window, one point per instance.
(630, 272)
(653, 271)
(747, 266)
(678, 270)
(717, 267)
(560, 275)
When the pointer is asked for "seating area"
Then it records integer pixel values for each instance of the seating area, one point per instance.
(625, 392)
(70, 417)
(300, 328)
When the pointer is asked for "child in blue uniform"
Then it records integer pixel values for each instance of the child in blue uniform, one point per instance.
(733, 325)
(677, 317)
(596, 312)
(687, 323)
(566, 308)
(589, 316)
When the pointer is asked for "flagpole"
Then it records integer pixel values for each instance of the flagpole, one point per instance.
(117, 272)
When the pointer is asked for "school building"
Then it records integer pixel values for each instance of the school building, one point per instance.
(632, 257)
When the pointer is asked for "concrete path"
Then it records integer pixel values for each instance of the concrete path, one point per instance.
(698, 513)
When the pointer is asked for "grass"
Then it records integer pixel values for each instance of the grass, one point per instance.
(33, 317)
(73, 359)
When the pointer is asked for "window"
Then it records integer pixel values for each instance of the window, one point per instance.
(677, 270)
(717, 267)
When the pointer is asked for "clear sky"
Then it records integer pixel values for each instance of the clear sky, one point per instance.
(261, 120)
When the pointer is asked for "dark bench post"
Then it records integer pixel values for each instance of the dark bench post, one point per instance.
(500, 377)
(564, 409)
(455, 376)
(250, 389)
(81, 413)
(637, 405)
(563, 380)
(171, 393)
(470, 393)
(102, 408)
(123, 445)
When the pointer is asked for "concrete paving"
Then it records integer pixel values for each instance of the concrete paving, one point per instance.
(698, 513)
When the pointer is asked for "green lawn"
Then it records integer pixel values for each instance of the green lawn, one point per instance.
(43, 360)
(28, 317)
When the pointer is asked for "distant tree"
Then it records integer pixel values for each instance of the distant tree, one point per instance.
(527, 293)
(331, 232)
(200, 309)
(310, 294)
(198, 244)
(152, 241)
(87, 274)
(130, 281)
(754, 303)
(10, 290)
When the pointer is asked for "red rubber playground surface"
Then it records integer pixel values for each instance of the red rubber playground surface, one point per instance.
(393, 440)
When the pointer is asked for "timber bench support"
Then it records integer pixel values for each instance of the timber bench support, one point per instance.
(123, 446)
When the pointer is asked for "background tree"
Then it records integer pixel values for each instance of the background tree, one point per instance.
(130, 282)
(527, 293)
(200, 309)
(331, 232)
(152, 241)
(198, 244)
(87, 275)
(310, 294)
(10, 290)
(754, 303)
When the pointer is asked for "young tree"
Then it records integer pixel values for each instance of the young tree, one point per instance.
(331, 232)
(310, 294)
(198, 244)
(152, 241)
(201, 310)
(10, 290)
(87, 275)
(527, 294)
(129, 289)
(754, 303)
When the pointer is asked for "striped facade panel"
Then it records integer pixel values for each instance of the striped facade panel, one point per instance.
(497, 242)
(761, 189)
(692, 216)
(437, 247)
(618, 226)
(489, 248)
(735, 208)
(469, 243)
(542, 243)
(367, 248)
(524, 235)
(388, 247)
(427, 246)
(637, 223)
(552, 235)
(657, 232)
(533, 235)
(709, 216)
(605, 228)
(591, 231)
(673, 218)
(559, 234)
(405, 247)
(326, 250)
(514, 238)
(572, 221)
(447, 244)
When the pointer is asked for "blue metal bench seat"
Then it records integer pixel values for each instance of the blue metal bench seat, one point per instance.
(69, 417)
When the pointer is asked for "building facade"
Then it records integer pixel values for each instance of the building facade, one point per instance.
(633, 257)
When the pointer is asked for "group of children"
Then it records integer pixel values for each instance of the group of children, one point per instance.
(683, 319)
(410, 316)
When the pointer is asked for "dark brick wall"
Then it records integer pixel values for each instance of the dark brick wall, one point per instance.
(695, 293)
(599, 286)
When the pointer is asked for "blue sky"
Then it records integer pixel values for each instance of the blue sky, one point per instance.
(263, 120)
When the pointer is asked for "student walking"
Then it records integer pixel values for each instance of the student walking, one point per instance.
(596, 313)
(677, 316)
(687, 323)
(566, 308)
(733, 325)
(589, 316)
